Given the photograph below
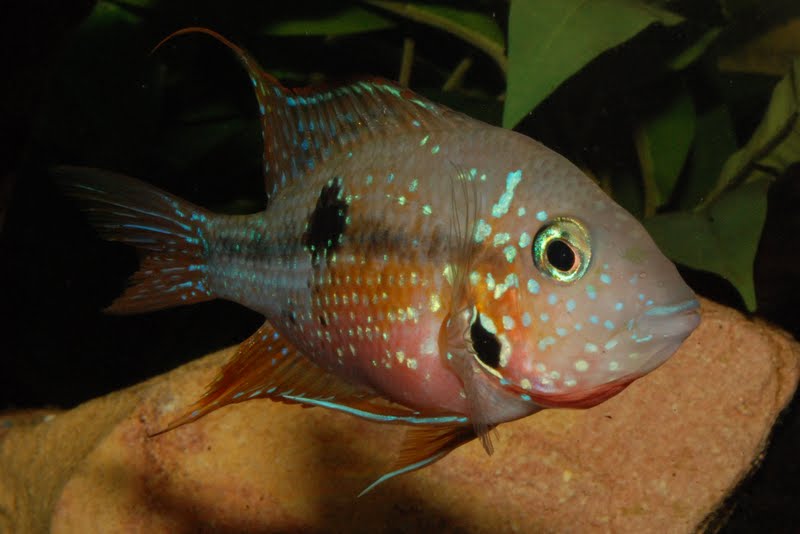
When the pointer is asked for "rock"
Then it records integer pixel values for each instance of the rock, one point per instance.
(659, 457)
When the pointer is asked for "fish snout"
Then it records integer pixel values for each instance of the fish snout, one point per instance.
(671, 320)
(659, 331)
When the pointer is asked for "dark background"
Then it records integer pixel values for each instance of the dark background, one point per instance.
(56, 275)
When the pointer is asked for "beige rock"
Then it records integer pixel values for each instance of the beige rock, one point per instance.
(659, 457)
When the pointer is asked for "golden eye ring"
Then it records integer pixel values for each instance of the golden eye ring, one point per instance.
(562, 250)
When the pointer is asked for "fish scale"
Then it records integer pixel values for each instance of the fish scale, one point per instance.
(413, 266)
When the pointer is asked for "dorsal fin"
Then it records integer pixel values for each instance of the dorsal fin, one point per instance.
(305, 126)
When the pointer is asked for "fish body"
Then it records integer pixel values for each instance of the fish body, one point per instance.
(413, 265)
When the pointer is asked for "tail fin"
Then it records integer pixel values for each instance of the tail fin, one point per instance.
(169, 230)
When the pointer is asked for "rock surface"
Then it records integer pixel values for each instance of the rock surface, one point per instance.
(659, 457)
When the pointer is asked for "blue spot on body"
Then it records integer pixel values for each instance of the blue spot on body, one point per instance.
(545, 342)
(609, 325)
(533, 286)
(594, 319)
(605, 279)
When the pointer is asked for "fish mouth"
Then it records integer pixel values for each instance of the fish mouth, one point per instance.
(660, 330)
(671, 319)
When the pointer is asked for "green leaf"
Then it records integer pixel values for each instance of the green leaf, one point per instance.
(347, 21)
(776, 142)
(695, 50)
(722, 238)
(477, 28)
(663, 143)
(550, 41)
(714, 143)
(770, 53)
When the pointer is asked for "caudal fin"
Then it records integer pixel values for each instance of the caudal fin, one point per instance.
(170, 231)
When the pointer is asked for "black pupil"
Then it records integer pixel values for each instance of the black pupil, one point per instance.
(485, 344)
(560, 255)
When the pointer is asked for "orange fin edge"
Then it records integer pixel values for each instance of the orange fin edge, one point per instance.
(266, 365)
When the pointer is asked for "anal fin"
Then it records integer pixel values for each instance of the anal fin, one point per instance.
(424, 446)
(266, 365)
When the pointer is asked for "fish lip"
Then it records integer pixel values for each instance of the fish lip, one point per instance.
(669, 320)
(667, 327)
(667, 310)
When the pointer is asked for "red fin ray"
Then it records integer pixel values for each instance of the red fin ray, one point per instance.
(168, 229)
(268, 366)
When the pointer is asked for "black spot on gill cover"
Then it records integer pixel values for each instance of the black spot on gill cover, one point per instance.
(326, 224)
(485, 344)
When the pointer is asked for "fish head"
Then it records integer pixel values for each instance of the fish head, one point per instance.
(571, 293)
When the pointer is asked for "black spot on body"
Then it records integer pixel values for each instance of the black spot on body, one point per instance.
(327, 222)
(485, 344)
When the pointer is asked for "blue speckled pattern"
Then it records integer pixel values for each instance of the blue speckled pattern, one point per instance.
(413, 266)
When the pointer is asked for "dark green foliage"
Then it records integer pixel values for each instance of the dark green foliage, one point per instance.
(641, 94)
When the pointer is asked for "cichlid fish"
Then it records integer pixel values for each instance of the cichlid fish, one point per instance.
(413, 265)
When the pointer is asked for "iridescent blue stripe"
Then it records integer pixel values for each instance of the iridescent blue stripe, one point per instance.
(379, 418)
(406, 469)
(659, 311)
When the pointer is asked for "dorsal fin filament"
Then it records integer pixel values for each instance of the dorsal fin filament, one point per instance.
(303, 127)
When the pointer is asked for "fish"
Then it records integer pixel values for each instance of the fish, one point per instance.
(413, 265)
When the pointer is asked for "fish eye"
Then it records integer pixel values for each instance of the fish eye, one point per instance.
(562, 250)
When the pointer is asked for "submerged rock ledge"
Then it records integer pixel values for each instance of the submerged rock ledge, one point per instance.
(660, 457)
